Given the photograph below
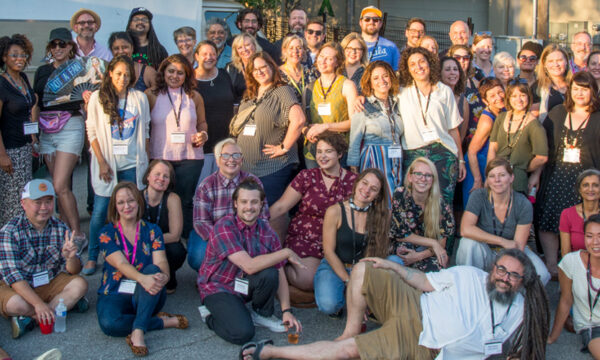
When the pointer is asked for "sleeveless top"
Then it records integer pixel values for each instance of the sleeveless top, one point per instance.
(140, 84)
(332, 95)
(350, 246)
(158, 214)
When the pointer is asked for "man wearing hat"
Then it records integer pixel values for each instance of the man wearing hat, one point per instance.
(38, 262)
(527, 60)
(147, 49)
(86, 24)
(378, 47)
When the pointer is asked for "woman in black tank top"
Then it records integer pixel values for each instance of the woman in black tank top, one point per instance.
(352, 229)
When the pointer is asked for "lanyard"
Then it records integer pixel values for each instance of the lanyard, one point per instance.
(137, 235)
(517, 133)
(567, 142)
(328, 89)
(26, 95)
(423, 114)
(374, 49)
(591, 288)
(295, 84)
(505, 216)
(177, 114)
(122, 117)
(391, 120)
(157, 222)
(494, 325)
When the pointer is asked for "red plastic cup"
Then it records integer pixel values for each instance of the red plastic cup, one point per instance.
(47, 328)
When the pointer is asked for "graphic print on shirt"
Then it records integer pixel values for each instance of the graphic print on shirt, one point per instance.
(128, 126)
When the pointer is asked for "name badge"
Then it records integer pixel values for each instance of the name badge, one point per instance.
(127, 286)
(178, 137)
(571, 155)
(249, 130)
(324, 109)
(120, 149)
(395, 152)
(41, 278)
(30, 128)
(430, 136)
(493, 347)
(241, 286)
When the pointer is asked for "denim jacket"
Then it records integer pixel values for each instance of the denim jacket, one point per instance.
(372, 127)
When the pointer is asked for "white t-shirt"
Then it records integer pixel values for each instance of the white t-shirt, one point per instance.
(573, 267)
(442, 115)
(126, 137)
(457, 318)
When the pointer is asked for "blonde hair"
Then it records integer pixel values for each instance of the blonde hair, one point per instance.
(287, 41)
(364, 60)
(236, 60)
(544, 80)
(431, 213)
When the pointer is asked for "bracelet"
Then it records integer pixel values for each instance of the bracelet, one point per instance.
(461, 161)
(287, 310)
(283, 147)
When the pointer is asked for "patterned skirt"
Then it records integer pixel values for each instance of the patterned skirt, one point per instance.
(376, 156)
(12, 185)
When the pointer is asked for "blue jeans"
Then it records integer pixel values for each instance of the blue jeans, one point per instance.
(196, 248)
(276, 183)
(98, 218)
(120, 314)
(329, 289)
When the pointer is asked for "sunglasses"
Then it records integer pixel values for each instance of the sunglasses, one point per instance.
(315, 32)
(531, 58)
(462, 57)
(368, 19)
(60, 43)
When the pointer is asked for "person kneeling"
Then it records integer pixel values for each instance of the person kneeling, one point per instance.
(244, 262)
(132, 290)
(31, 286)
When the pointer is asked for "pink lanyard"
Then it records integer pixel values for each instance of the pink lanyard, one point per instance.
(137, 235)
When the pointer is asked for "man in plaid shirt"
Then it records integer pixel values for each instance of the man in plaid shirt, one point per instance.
(38, 262)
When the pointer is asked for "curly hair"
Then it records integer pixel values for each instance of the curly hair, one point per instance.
(459, 88)
(251, 83)
(108, 96)
(365, 81)
(586, 80)
(335, 139)
(18, 40)
(406, 78)
(188, 83)
(245, 11)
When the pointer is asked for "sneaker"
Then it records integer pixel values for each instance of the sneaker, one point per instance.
(53, 354)
(82, 305)
(272, 323)
(21, 325)
(204, 312)
(82, 242)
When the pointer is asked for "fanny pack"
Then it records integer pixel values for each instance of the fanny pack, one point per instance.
(53, 121)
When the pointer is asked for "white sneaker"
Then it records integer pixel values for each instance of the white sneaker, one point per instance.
(204, 312)
(53, 354)
(272, 323)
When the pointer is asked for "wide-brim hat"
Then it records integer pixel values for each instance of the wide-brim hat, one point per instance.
(85, 11)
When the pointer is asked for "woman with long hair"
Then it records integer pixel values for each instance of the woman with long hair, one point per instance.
(352, 229)
(117, 125)
(421, 220)
(572, 130)
(553, 78)
(593, 64)
(452, 74)
(496, 217)
(121, 43)
(483, 45)
(178, 128)
(242, 48)
(356, 60)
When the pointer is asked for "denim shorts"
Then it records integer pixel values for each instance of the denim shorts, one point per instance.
(588, 335)
(69, 139)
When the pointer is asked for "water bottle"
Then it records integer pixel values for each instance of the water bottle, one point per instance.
(61, 317)
(532, 195)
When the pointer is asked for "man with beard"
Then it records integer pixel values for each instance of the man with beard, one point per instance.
(218, 32)
(457, 313)
(378, 47)
(296, 24)
(314, 34)
(251, 21)
(581, 48)
(147, 49)
(86, 23)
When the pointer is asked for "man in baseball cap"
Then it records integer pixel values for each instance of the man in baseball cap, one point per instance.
(378, 47)
(147, 49)
(86, 23)
(31, 286)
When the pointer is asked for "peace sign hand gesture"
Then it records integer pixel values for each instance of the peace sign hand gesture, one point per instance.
(69, 249)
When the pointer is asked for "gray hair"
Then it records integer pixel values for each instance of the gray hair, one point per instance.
(583, 175)
(219, 21)
(502, 58)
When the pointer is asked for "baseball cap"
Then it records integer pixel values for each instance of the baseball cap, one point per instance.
(369, 9)
(60, 34)
(37, 188)
(140, 10)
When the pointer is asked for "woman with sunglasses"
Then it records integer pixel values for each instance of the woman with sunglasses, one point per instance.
(421, 221)
(17, 100)
(553, 77)
(355, 51)
(579, 274)
(61, 144)
(121, 43)
(518, 137)
(572, 130)
(496, 217)
(593, 64)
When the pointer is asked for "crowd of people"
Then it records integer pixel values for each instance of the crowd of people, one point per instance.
(427, 190)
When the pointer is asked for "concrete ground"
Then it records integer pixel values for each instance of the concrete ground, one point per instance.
(84, 339)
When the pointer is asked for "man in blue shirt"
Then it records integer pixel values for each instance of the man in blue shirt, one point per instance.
(379, 48)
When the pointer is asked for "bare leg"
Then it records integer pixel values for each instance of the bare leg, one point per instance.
(303, 278)
(17, 306)
(61, 165)
(344, 349)
(355, 302)
(550, 244)
(4, 354)
(594, 348)
(71, 293)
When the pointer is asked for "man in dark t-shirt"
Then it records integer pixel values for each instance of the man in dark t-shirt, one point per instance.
(147, 49)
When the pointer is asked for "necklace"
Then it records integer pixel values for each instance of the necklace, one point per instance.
(331, 176)
(211, 79)
(353, 206)
(518, 133)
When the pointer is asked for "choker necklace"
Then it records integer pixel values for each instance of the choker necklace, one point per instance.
(353, 206)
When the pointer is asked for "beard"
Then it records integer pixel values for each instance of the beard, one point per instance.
(501, 297)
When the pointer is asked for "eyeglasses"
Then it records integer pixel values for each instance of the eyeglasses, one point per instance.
(420, 175)
(261, 70)
(250, 21)
(531, 58)
(184, 41)
(234, 156)
(368, 19)
(86, 22)
(60, 43)
(501, 271)
(462, 57)
(141, 19)
(351, 49)
(416, 32)
(315, 32)
(18, 56)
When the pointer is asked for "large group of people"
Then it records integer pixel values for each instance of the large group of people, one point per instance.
(428, 190)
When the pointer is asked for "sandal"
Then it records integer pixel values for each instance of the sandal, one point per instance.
(183, 321)
(136, 350)
(259, 346)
